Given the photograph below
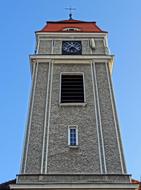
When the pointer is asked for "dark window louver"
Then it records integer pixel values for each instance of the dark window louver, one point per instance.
(72, 90)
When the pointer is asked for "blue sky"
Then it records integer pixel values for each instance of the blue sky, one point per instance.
(18, 22)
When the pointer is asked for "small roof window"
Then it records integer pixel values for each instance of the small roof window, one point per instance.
(71, 29)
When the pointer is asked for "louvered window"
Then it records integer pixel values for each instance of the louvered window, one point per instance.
(72, 89)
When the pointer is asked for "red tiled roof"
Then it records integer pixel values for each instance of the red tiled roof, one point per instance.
(82, 26)
(136, 182)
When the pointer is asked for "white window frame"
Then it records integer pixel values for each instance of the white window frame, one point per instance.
(72, 127)
(71, 29)
(72, 104)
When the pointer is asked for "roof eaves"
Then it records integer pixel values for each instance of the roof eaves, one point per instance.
(5, 185)
(42, 31)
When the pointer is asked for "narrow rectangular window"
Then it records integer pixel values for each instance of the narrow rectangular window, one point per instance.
(72, 88)
(73, 136)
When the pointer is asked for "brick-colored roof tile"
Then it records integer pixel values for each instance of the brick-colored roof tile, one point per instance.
(136, 182)
(59, 26)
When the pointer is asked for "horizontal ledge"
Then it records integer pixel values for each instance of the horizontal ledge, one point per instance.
(75, 174)
(74, 186)
(70, 57)
(73, 104)
(73, 146)
(67, 34)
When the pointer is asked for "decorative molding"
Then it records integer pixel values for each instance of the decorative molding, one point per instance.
(75, 186)
(96, 116)
(72, 57)
(77, 59)
(63, 35)
(45, 119)
(99, 114)
(50, 96)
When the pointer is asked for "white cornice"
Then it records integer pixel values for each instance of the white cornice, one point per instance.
(83, 59)
(69, 34)
(70, 57)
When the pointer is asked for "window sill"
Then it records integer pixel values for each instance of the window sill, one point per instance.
(73, 104)
(73, 147)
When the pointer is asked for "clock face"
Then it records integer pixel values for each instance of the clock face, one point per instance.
(71, 48)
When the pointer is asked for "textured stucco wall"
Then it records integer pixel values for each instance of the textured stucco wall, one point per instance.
(55, 46)
(100, 49)
(58, 157)
(75, 178)
(34, 136)
(62, 158)
(112, 156)
(45, 46)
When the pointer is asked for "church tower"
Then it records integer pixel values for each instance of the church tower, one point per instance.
(72, 139)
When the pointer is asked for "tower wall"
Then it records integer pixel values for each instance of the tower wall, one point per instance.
(47, 150)
(61, 157)
(114, 162)
(48, 46)
(35, 127)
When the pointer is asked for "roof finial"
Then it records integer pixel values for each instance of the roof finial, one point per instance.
(70, 10)
(70, 16)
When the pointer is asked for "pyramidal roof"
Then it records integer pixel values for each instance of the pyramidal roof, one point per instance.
(71, 25)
